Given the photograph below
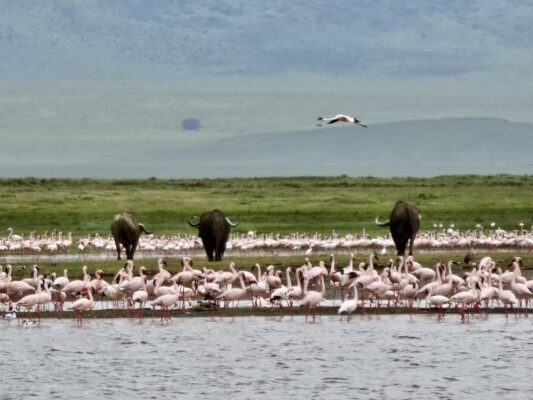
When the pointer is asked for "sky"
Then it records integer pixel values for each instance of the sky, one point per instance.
(130, 72)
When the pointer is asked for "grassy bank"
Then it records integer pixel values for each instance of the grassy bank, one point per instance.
(110, 267)
(266, 205)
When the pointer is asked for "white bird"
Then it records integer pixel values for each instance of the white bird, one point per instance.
(349, 305)
(14, 238)
(342, 118)
(8, 316)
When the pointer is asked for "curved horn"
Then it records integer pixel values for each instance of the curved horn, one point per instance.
(233, 225)
(194, 225)
(378, 222)
(143, 229)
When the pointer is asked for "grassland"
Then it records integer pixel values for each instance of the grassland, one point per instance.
(311, 204)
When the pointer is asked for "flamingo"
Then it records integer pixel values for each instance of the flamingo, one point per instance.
(488, 292)
(33, 281)
(140, 296)
(135, 283)
(233, 294)
(349, 305)
(77, 286)
(44, 297)
(437, 301)
(293, 292)
(83, 304)
(279, 294)
(342, 118)
(30, 301)
(335, 277)
(259, 288)
(14, 238)
(227, 277)
(466, 298)
(61, 281)
(165, 302)
(312, 298)
(272, 279)
(16, 287)
(507, 297)
(520, 290)
(161, 264)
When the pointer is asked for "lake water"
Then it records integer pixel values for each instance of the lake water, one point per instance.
(393, 357)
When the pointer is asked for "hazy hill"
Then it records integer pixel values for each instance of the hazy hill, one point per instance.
(101, 39)
(410, 148)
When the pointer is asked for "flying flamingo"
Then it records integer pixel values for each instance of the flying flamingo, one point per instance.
(341, 118)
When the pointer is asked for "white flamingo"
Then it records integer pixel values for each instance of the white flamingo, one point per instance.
(341, 118)
(349, 305)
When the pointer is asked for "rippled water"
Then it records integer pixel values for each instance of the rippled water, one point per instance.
(263, 358)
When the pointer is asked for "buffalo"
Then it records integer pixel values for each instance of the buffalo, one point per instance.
(404, 223)
(126, 231)
(213, 228)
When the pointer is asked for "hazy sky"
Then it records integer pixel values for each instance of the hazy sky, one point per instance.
(112, 72)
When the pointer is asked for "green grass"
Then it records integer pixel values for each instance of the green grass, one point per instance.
(310, 204)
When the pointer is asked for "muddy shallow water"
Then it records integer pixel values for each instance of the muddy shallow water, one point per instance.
(262, 358)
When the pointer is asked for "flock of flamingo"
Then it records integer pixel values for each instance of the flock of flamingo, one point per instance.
(440, 237)
(401, 284)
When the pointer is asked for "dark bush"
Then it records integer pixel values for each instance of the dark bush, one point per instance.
(191, 124)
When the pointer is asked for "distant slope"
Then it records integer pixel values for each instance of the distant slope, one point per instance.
(412, 148)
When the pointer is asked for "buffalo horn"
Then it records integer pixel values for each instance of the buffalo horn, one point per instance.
(194, 225)
(233, 225)
(378, 222)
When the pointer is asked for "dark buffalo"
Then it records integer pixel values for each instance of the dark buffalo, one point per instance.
(404, 223)
(213, 228)
(126, 231)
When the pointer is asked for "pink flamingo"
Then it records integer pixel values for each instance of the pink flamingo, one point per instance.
(83, 304)
(233, 294)
(140, 297)
(312, 298)
(165, 302)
